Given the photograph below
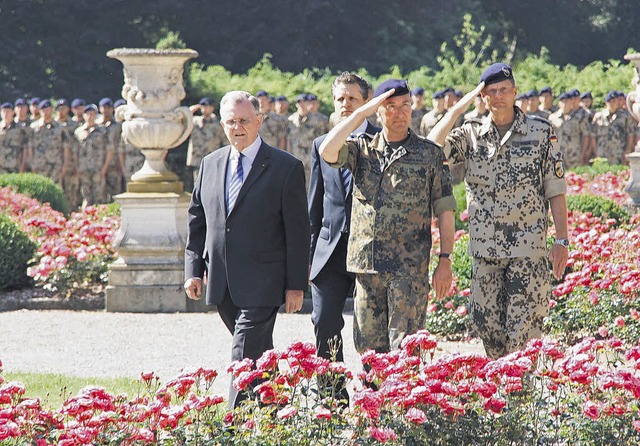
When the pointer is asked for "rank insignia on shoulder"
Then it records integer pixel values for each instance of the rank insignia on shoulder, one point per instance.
(558, 168)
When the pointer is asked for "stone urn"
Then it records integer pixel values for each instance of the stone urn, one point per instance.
(152, 119)
(633, 104)
(147, 276)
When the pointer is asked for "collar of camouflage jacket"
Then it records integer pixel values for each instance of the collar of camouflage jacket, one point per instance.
(519, 124)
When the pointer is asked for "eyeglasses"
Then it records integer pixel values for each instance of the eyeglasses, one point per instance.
(498, 91)
(397, 108)
(239, 122)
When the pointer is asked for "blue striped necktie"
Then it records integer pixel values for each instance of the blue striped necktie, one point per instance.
(235, 184)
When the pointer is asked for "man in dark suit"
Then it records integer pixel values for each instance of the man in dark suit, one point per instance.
(248, 229)
(329, 213)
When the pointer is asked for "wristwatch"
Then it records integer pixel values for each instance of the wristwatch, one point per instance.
(562, 241)
(444, 255)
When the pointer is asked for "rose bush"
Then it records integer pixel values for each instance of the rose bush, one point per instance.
(73, 254)
(544, 394)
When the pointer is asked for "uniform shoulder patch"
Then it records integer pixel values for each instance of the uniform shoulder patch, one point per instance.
(558, 168)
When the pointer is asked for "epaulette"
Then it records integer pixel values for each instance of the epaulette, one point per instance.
(539, 118)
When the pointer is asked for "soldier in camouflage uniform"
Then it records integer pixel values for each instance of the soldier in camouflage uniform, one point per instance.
(545, 96)
(479, 109)
(50, 148)
(514, 170)
(301, 132)
(319, 120)
(13, 141)
(532, 105)
(418, 109)
(34, 109)
(115, 172)
(430, 119)
(71, 179)
(77, 107)
(92, 157)
(207, 135)
(398, 179)
(274, 126)
(281, 106)
(614, 131)
(572, 129)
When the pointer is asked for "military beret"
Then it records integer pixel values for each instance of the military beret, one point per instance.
(438, 94)
(574, 93)
(448, 90)
(44, 103)
(564, 96)
(418, 91)
(105, 102)
(261, 94)
(281, 98)
(301, 97)
(62, 101)
(400, 86)
(312, 97)
(77, 102)
(532, 93)
(7, 105)
(497, 72)
(521, 97)
(35, 101)
(458, 93)
(91, 107)
(206, 101)
(610, 95)
(20, 102)
(586, 95)
(119, 102)
(546, 90)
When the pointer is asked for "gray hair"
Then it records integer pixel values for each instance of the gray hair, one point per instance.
(237, 97)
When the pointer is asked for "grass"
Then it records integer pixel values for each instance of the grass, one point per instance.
(53, 388)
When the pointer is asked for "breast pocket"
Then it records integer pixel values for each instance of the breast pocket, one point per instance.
(478, 167)
(524, 166)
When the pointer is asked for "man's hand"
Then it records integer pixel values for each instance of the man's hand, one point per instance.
(558, 257)
(193, 288)
(463, 104)
(442, 278)
(293, 300)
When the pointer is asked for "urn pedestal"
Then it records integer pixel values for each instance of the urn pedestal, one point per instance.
(148, 274)
(633, 104)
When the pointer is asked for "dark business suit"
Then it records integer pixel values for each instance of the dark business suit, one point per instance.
(331, 284)
(257, 252)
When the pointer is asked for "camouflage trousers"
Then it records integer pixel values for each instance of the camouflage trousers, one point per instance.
(508, 302)
(91, 188)
(387, 308)
(72, 190)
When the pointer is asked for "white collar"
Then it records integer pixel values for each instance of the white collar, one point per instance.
(250, 152)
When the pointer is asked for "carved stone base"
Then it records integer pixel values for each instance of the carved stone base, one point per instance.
(156, 186)
(148, 274)
(633, 186)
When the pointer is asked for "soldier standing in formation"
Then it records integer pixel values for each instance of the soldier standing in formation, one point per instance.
(513, 170)
(50, 148)
(399, 178)
(545, 96)
(115, 172)
(615, 133)
(301, 132)
(431, 118)
(92, 157)
(532, 105)
(71, 180)
(573, 130)
(274, 126)
(479, 109)
(207, 135)
(418, 109)
(13, 141)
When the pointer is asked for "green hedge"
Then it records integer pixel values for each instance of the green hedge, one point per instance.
(36, 186)
(16, 251)
(599, 206)
(599, 166)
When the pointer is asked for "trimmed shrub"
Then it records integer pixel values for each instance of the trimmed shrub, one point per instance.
(36, 186)
(598, 206)
(17, 249)
(599, 166)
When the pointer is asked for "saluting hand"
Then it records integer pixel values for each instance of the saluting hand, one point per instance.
(372, 106)
(463, 104)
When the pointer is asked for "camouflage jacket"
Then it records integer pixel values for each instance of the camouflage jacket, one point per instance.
(612, 132)
(274, 129)
(416, 118)
(509, 183)
(571, 129)
(91, 149)
(207, 136)
(429, 120)
(13, 140)
(49, 142)
(393, 201)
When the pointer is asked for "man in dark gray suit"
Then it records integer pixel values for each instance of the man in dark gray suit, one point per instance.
(329, 213)
(248, 229)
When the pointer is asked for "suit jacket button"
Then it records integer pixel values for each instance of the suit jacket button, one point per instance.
(228, 229)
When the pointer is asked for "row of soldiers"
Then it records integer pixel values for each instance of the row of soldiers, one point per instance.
(582, 132)
(81, 148)
(77, 145)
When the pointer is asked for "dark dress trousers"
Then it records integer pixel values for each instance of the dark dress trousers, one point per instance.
(329, 215)
(256, 252)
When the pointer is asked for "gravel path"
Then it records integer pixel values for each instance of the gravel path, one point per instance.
(101, 344)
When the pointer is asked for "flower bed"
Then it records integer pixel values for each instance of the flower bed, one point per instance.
(545, 394)
(73, 254)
